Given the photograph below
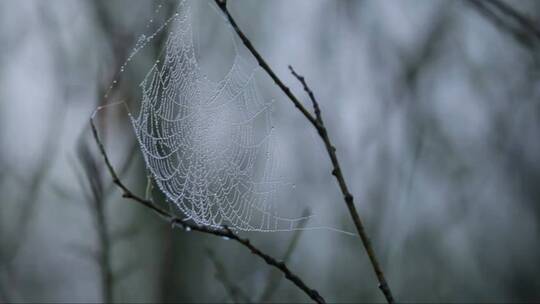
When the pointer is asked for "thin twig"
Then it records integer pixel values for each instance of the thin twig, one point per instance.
(223, 232)
(317, 122)
(222, 4)
(308, 90)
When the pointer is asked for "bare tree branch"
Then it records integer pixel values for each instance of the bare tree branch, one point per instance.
(223, 232)
(522, 20)
(509, 20)
(96, 205)
(318, 124)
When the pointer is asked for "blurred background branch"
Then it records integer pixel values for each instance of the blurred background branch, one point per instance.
(436, 104)
(235, 293)
(510, 21)
(273, 281)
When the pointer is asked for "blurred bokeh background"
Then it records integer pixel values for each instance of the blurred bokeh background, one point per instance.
(433, 107)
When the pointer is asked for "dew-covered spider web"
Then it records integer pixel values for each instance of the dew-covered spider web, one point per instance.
(209, 145)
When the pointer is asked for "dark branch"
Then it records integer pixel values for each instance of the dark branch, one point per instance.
(349, 200)
(522, 20)
(310, 94)
(223, 232)
(262, 63)
(509, 20)
(96, 204)
(317, 122)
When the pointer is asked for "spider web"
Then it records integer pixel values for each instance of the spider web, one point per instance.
(208, 145)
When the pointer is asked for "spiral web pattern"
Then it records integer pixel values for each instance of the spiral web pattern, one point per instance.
(208, 145)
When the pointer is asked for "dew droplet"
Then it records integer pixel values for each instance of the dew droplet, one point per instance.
(188, 229)
(225, 238)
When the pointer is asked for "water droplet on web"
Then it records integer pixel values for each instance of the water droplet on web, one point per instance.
(140, 41)
(225, 238)
(188, 229)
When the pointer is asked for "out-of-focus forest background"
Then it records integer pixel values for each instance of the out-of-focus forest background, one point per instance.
(433, 106)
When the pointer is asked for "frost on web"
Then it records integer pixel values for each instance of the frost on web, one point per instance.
(207, 144)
